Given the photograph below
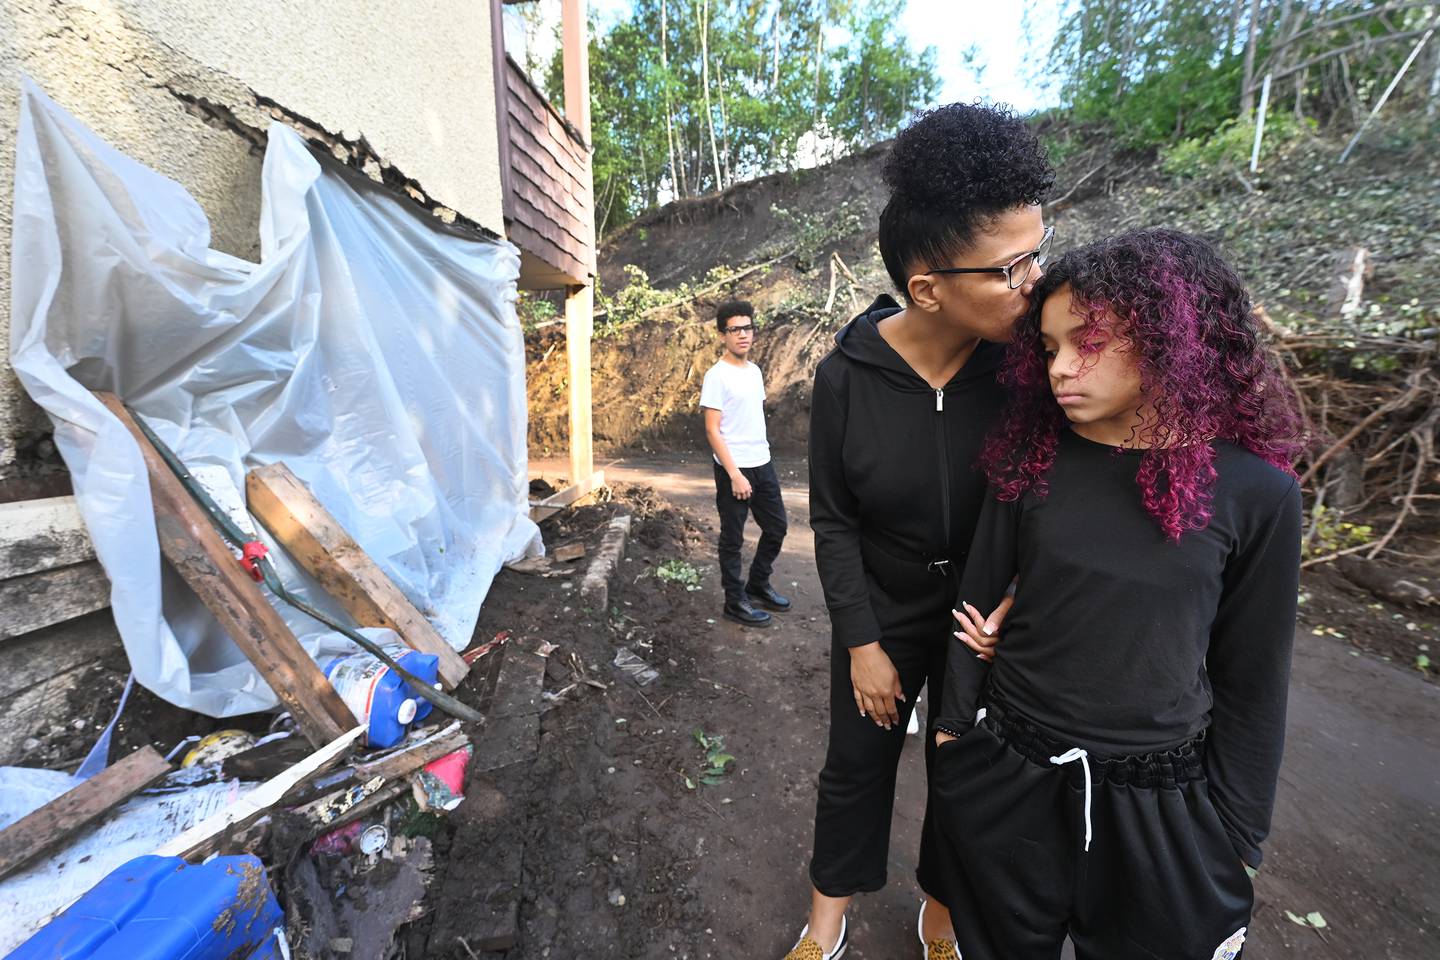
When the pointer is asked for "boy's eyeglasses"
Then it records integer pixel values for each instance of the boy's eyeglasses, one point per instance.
(744, 328)
(1017, 271)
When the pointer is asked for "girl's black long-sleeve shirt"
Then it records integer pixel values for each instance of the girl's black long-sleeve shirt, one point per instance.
(893, 477)
(1122, 642)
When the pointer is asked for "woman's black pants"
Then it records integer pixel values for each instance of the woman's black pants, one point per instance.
(857, 784)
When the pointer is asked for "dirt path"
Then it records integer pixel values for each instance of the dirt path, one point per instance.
(1357, 826)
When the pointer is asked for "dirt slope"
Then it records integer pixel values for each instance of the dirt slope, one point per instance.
(1285, 228)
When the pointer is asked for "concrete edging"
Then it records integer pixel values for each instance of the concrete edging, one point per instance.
(595, 585)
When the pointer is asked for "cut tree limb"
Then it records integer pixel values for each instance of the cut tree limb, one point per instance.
(317, 541)
(61, 818)
(195, 549)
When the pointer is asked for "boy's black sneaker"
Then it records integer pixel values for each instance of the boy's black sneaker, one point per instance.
(742, 612)
(768, 598)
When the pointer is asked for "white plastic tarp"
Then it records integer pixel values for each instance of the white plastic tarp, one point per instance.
(42, 888)
(372, 350)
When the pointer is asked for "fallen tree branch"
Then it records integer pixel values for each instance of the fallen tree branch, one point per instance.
(696, 294)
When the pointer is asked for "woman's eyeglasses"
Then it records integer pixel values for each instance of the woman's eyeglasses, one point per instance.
(1017, 271)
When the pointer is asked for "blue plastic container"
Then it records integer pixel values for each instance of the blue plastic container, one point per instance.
(378, 697)
(161, 908)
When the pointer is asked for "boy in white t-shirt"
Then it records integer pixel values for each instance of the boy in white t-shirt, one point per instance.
(733, 400)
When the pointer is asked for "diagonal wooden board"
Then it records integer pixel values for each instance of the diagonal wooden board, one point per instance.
(317, 541)
(195, 549)
(58, 820)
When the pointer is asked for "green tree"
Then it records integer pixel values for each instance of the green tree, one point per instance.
(727, 91)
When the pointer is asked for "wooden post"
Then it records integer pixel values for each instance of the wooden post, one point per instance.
(576, 65)
(317, 541)
(194, 548)
(579, 325)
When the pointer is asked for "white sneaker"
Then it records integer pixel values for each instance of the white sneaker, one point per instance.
(939, 949)
(913, 727)
(807, 949)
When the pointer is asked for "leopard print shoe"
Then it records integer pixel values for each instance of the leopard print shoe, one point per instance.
(937, 949)
(807, 949)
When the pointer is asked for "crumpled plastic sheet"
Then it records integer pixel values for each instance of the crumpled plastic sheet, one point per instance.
(373, 350)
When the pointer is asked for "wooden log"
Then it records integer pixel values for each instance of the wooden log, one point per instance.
(40, 535)
(196, 551)
(318, 543)
(61, 818)
(39, 600)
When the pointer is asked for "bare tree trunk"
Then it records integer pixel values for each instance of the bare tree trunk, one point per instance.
(705, 83)
(819, 52)
(775, 60)
(677, 173)
(1430, 102)
(1247, 96)
(724, 131)
(1234, 25)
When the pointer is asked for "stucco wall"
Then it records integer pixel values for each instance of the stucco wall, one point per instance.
(414, 80)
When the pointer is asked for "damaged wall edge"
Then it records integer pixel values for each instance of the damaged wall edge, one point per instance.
(356, 154)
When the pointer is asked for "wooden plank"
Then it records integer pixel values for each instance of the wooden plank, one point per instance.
(63, 817)
(553, 504)
(40, 535)
(196, 551)
(201, 839)
(317, 541)
(54, 596)
(574, 492)
(411, 758)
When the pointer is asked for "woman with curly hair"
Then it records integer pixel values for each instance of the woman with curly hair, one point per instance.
(900, 408)
(1110, 775)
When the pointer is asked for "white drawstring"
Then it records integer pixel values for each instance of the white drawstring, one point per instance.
(979, 715)
(1070, 756)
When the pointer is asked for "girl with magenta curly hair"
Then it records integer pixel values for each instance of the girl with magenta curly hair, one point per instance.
(1107, 771)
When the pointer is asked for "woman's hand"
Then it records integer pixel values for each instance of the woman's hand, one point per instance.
(876, 684)
(942, 738)
(978, 632)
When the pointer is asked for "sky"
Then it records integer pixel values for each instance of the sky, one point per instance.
(998, 31)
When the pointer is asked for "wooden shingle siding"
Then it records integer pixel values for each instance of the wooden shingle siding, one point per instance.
(549, 208)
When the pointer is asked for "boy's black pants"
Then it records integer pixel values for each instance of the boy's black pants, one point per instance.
(769, 510)
(1161, 879)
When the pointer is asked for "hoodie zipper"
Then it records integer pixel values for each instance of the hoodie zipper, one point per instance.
(944, 470)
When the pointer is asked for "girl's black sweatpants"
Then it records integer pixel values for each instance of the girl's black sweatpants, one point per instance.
(1161, 879)
(857, 785)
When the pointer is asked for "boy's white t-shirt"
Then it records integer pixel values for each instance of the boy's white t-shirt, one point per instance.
(739, 394)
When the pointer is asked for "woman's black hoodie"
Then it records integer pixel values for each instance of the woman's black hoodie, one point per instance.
(895, 490)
